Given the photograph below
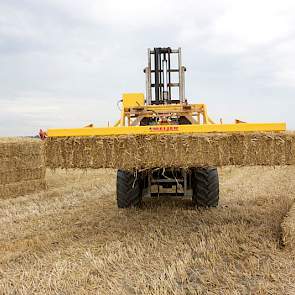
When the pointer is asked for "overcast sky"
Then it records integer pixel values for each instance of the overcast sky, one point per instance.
(65, 63)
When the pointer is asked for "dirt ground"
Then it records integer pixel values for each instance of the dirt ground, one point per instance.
(72, 239)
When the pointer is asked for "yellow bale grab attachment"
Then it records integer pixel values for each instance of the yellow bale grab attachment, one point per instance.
(168, 129)
(163, 145)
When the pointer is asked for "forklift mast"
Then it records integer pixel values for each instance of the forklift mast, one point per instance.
(162, 63)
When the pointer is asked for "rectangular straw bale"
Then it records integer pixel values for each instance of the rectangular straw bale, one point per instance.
(20, 153)
(173, 150)
(21, 188)
(15, 163)
(22, 166)
(22, 174)
(19, 146)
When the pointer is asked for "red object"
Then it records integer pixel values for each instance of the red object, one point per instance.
(42, 134)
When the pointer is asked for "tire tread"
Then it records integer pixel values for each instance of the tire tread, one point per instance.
(128, 190)
(205, 187)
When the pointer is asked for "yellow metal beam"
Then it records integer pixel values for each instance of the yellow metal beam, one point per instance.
(169, 107)
(169, 129)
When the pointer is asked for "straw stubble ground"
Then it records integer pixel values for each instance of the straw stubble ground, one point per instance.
(73, 240)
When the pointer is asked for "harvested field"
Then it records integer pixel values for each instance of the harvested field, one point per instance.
(22, 166)
(288, 228)
(72, 239)
(150, 151)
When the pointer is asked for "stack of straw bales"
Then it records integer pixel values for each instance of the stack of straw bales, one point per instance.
(22, 166)
(173, 150)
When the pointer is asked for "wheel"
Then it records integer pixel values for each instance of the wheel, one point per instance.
(205, 187)
(128, 189)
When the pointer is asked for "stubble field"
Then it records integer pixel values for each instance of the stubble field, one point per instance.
(71, 239)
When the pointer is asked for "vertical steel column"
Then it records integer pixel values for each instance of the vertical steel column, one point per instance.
(181, 97)
(160, 73)
(183, 83)
(156, 71)
(169, 75)
(148, 86)
(165, 79)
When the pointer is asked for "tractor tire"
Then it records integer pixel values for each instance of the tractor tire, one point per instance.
(205, 187)
(128, 190)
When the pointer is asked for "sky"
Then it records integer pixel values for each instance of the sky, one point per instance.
(66, 63)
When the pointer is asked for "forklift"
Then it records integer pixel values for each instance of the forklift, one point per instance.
(163, 108)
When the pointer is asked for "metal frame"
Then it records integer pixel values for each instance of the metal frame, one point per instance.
(195, 113)
(160, 71)
(184, 183)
